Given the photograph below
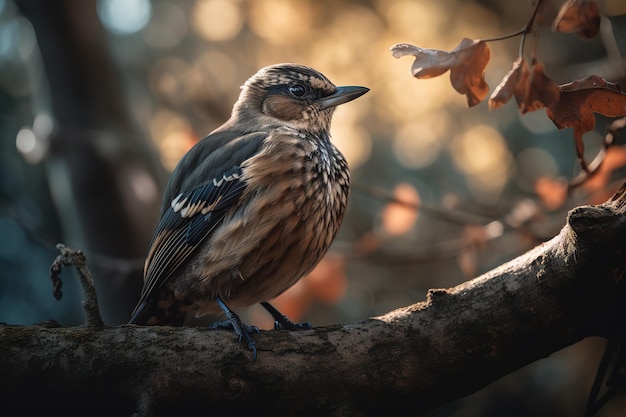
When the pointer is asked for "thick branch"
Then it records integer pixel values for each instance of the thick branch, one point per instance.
(403, 363)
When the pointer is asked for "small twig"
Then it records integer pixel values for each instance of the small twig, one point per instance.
(77, 258)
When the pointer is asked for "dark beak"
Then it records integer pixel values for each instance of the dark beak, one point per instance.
(342, 95)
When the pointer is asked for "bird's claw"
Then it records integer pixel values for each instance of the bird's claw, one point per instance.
(291, 326)
(282, 322)
(242, 330)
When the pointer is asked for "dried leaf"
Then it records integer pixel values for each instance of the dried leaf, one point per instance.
(466, 63)
(579, 100)
(428, 63)
(468, 75)
(523, 84)
(578, 16)
(540, 91)
(514, 82)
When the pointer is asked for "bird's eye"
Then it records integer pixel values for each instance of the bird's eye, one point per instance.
(297, 90)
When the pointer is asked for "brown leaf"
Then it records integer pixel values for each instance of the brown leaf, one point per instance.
(540, 91)
(580, 17)
(581, 98)
(514, 82)
(466, 63)
(468, 74)
(428, 63)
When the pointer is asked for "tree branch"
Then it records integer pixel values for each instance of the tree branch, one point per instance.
(406, 362)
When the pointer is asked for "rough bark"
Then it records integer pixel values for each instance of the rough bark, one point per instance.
(406, 362)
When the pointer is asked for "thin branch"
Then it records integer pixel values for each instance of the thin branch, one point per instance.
(524, 31)
(77, 258)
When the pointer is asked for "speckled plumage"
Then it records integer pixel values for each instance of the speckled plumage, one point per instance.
(255, 205)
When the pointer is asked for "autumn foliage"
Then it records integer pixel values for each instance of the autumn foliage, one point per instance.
(571, 105)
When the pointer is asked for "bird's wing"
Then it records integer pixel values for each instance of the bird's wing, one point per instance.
(205, 184)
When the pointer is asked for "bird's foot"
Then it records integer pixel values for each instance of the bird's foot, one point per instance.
(290, 325)
(243, 331)
(281, 322)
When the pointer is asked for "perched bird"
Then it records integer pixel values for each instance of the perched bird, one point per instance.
(252, 207)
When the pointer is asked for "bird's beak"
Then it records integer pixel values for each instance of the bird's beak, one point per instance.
(342, 95)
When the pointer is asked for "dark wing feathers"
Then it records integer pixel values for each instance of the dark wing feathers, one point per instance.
(194, 205)
(209, 159)
(208, 203)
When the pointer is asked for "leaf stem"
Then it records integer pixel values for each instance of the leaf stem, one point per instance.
(529, 26)
(510, 35)
(524, 31)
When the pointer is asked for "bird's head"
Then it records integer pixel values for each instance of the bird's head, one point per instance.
(292, 95)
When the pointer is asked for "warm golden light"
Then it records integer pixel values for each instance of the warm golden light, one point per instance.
(481, 153)
(217, 20)
(281, 22)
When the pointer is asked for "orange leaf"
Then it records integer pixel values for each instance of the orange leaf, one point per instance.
(540, 91)
(514, 82)
(581, 98)
(466, 63)
(580, 17)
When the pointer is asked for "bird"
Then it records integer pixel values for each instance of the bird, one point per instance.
(252, 207)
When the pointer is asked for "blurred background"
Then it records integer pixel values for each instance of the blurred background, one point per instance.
(100, 99)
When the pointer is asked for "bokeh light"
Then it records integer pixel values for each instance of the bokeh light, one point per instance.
(481, 153)
(124, 17)
(532, 164)
(217, 20)
(281, 22)
(9, 35)
(172, 135)
(417, 144)
(167, 27)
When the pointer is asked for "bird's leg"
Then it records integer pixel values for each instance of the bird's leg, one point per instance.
(281, 322)
(233, 321)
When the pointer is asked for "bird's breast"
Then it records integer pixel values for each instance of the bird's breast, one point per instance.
(304, 172)
(295, 198)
